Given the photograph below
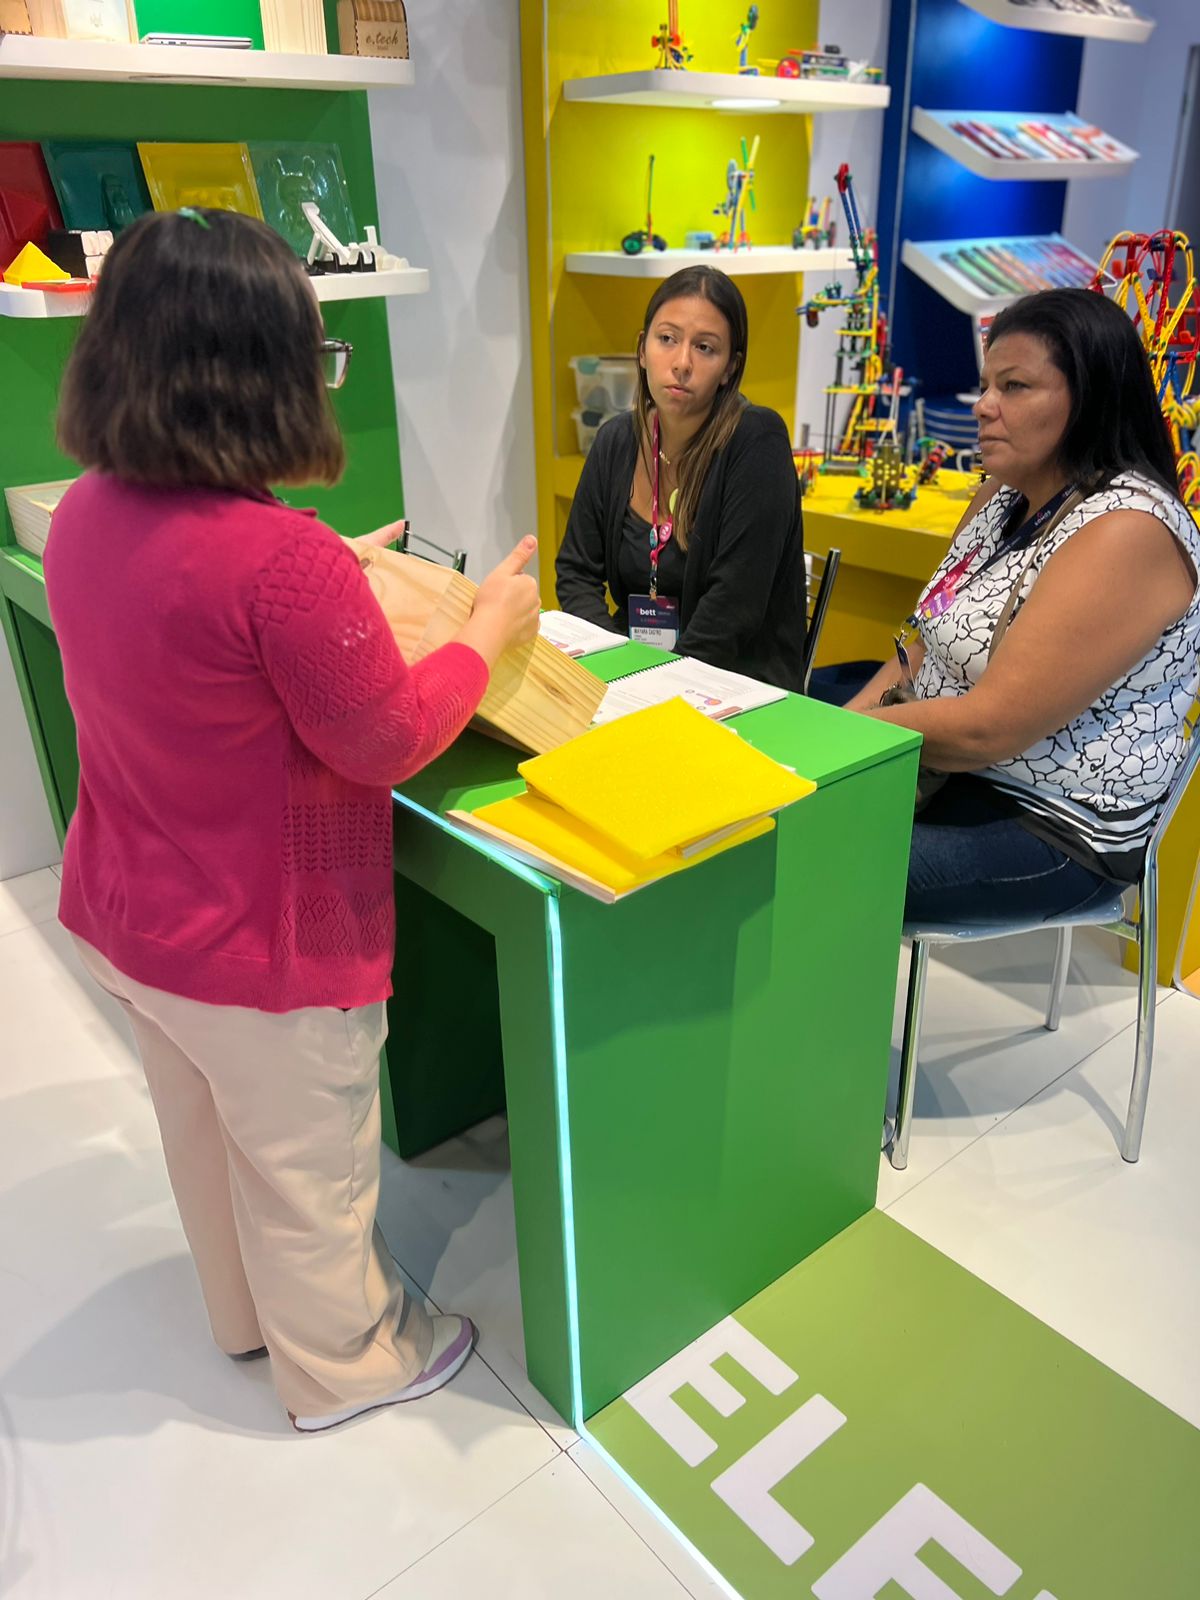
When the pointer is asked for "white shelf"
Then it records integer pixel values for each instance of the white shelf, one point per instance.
(1044, 19)
(16, 302)
(692, 91)
(758, 260)
(935, 126)
(37, 303)
(22, 57)
(926, 260)
(371, 285)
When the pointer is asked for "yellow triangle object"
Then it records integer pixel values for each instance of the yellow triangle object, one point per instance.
(556, 840)
(34, 266)
(662, 779)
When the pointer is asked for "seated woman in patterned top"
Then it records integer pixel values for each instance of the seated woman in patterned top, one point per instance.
(1061, 730)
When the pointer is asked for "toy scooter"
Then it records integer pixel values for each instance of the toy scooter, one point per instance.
(644, 238)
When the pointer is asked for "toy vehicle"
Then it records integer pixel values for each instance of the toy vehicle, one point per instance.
(827, 63)
(644, 238)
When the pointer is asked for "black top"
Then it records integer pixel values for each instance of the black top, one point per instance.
(633, 559)
(742, 601)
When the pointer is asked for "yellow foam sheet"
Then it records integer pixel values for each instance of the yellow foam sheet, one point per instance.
(659, 779)
(564, 839)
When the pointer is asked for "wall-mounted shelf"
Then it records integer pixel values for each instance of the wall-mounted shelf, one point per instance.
(1080, 24)
(759, 259)
(938, 127)
(22, 57)
(36, 303)
(1011, 267)
(705, 90)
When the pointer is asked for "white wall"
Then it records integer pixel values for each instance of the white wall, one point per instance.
(1135, 92)
(448, 167)
(860, 28)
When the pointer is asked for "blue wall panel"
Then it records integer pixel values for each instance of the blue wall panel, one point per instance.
(945, 57)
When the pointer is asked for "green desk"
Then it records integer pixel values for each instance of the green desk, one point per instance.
(694, 1077)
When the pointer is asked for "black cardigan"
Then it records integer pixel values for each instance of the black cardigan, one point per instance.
(743, 601)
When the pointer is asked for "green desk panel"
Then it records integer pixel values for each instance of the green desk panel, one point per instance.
(695, 1076)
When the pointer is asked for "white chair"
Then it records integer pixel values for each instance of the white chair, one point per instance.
(1105, 911)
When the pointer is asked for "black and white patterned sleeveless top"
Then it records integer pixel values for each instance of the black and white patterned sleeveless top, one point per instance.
(1094, 787)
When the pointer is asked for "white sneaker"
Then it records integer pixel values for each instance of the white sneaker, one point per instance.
(453, 1340)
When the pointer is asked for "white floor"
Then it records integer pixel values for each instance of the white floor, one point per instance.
(137, 1461)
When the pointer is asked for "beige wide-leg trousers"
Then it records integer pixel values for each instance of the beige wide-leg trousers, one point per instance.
(270, 1128)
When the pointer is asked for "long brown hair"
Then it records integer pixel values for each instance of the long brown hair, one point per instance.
(199, 362)
(691, 466)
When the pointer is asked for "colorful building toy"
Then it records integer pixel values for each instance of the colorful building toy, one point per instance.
(1145, 269)
(742, 44)
(827, 63)
(862, 348)
(673, 54)
(739, 184)
(645, 238)
(818, 230)
(887, 490)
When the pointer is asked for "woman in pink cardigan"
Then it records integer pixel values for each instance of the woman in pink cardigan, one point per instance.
(242, 713)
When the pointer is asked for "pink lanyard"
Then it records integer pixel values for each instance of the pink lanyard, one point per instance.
(660, 537)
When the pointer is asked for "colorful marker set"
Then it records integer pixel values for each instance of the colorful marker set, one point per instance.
(1018, 266)
(1037, 139)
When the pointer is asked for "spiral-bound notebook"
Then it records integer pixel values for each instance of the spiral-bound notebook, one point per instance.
(719, 694)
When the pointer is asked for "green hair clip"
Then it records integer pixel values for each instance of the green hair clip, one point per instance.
(194, 216)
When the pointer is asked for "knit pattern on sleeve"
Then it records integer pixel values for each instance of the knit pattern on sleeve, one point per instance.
(330, 655)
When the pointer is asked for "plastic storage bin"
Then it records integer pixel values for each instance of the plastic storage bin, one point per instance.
(605, 383)
(588, 421)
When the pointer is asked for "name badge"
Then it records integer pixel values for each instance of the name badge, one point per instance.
(654, 620)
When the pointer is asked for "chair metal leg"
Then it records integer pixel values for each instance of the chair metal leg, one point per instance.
(914, 1009)
(1058, 983)
(1147, 994)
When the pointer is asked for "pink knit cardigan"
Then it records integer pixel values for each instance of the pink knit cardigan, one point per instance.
(242, 711)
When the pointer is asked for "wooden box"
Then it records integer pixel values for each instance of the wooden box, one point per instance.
(111, 20)
(373, 28)
(296, 27)
(14, 17)
(538, 697)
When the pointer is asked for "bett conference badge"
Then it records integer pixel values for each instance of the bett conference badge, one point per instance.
(654, 621)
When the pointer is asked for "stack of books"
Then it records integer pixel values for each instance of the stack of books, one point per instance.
(637, 799)
(30, 507)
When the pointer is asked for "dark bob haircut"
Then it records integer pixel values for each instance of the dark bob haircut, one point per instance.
(1116, 424)
(199, 361)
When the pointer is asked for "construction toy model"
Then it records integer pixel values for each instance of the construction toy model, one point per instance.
(739, 185)
(742, 44)
(887, 490)
(862, 348)
(645, 238)
(818, 230)
(1146, 269)
(673, 54)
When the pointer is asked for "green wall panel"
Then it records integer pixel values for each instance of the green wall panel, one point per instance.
(241, 18)
(32, 353)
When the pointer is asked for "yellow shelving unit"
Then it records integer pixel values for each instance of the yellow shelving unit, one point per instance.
(585, 184)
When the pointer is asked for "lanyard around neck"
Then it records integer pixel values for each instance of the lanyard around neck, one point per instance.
(660, 535)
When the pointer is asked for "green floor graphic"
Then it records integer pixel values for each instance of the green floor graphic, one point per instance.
(880, 1425)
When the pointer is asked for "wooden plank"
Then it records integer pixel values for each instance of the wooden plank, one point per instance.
(538, 698)
(295, 27)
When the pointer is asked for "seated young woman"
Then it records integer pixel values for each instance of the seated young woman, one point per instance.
(1054, 656)
(688, 511)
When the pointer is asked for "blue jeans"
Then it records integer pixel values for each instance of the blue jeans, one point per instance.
(972, 861)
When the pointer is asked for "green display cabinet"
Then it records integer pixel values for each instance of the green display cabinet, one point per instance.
(694, 1077)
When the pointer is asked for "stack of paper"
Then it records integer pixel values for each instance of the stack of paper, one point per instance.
(575, 637)
(719, 694)
(31, 508)
(628, 803)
